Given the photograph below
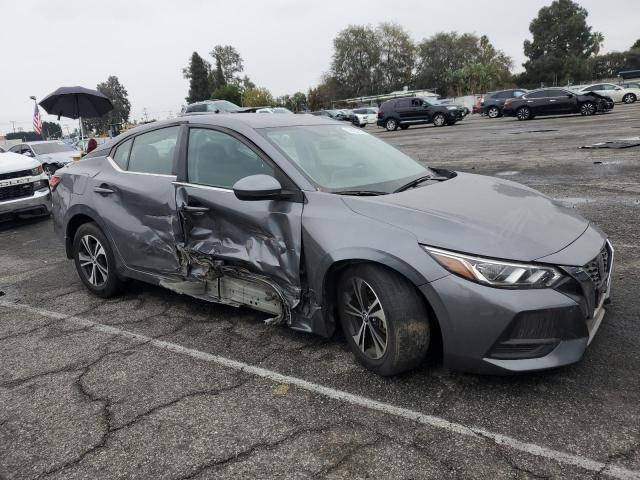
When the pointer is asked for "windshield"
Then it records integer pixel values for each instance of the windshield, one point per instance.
(337, 158)
(223, 106)
(45, 148)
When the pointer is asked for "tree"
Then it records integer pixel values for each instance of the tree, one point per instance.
(116, 92)
(257, 97)
(356, 60)
(636, 45)
(232, 93)
(562, 42)
(397, 57)
(228, 65)
(455, 64)
(198, 74)
(29, 136)
(51, 130)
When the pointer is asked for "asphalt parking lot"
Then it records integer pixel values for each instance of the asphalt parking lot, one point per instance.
(158, 385)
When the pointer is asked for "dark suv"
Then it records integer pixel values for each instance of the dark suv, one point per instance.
(492, 103)
(404, 112)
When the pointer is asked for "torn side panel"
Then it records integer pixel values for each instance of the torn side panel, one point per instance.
(257, 240)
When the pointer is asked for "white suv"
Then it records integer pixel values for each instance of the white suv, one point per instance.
(24, 187)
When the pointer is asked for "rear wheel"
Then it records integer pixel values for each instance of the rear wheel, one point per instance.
(587, 109)
(391, 125)
(439, 120)
(629, 98)
(493, 112)
(524, 113)
(95, 261)
(383, 318)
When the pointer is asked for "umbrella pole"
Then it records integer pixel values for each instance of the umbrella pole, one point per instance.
(81, 134)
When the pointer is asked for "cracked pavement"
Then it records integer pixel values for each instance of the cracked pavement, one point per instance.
(77, 402)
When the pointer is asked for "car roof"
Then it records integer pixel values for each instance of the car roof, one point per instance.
(37, 142)
(258, 120)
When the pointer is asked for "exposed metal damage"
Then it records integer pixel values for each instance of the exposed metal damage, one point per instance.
(212, 280)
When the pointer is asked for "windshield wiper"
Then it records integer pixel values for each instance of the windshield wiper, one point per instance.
(363, 193)
(414, 183)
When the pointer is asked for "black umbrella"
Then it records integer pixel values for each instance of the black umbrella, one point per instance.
(76, 102)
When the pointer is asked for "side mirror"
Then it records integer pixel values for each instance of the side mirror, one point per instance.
(28, 153)
(258, 187)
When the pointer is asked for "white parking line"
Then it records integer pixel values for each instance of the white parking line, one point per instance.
(430, 420)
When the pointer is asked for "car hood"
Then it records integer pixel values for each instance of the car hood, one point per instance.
(478, 215)
(14, 162)
(58, 157)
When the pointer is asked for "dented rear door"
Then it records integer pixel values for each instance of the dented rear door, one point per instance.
(261, 238)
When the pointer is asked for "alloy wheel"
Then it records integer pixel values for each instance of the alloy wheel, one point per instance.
(524, 113)
(629, 98)
(366, 318)
(391, 124)
(92, 258)
(588, 108)
(493, 112)
(439, 120)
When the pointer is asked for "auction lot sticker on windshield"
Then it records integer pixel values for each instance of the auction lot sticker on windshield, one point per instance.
(14, 181)
(353, 131)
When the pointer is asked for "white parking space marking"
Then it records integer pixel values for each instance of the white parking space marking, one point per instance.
(429, 420)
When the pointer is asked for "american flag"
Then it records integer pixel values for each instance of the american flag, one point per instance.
(37, 121)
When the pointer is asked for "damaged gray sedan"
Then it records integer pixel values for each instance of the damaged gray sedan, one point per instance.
(315, 222)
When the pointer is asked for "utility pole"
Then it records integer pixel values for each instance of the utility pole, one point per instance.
(146, 115)
(14, 125)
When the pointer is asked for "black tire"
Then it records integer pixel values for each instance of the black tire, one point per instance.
(493, 112)
(439, 120)
(105, 285)
(524, 113)
(406, 331)
(587, 109)
(391, 124)
(629, 98)
(404, 127)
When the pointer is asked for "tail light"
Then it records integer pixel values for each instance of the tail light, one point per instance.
(53, 182)
(380, 114)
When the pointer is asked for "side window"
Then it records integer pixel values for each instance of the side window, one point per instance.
(121, 155)
(403, 103)
(217, 159)
(16, 149)
(153, 152)
(556, 93)
(518, 93)
(416, 102)
(540, 94)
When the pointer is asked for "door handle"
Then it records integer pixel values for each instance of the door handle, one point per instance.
(194, 210)
(103, 190)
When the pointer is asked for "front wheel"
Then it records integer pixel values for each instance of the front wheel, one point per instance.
(629, 98)
(439, 120)
(383, 318)
(391, 125)
(95, 261)
(587, 109)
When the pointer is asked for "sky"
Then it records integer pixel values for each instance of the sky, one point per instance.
(286, 44)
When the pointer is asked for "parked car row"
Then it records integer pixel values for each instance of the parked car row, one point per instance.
(50, 154)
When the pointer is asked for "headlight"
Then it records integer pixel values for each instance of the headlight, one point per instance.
(495, 273)
(452, 108)
(36, 171)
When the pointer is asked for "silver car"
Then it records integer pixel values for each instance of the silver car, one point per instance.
(316, 223)
(52, 154)
(24, 187)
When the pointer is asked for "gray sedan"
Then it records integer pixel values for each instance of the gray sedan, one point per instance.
(316, 223)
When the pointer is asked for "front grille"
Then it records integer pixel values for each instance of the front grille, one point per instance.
(22, 173)
(16, 191)
(598, 268)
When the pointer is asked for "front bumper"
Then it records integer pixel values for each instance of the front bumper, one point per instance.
(37, 204)
(498, 331)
